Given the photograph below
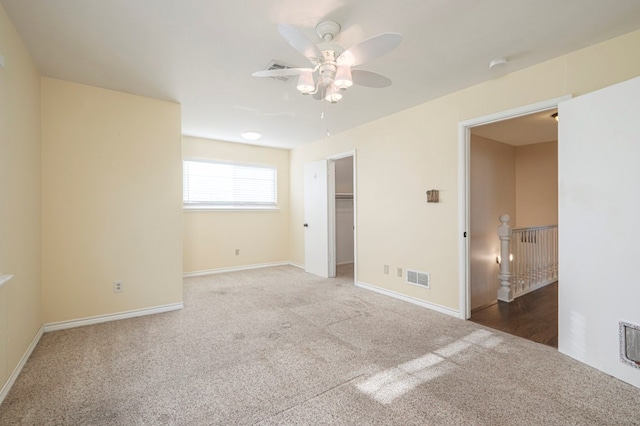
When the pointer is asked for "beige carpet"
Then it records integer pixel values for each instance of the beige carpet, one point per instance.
(278, 346)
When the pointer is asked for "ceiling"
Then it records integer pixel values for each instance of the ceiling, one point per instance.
(201, 53)
(524, 130)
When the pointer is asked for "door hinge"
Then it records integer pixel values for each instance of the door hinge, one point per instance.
(465, 234)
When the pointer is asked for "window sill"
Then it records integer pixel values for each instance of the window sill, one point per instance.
(229, 208)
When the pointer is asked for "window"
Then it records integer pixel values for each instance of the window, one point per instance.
(211, 184)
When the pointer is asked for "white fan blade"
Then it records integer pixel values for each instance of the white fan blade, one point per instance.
(369, 79)
(370, 49)
(300, 42)
(281, 73)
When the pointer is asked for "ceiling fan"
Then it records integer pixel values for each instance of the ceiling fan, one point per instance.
(333, 65)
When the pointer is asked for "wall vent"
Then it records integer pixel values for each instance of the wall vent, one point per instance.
(630, 344)
(273, 65)
(423, 279)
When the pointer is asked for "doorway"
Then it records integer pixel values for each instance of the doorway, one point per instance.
(344, 216)
(491, 147)
(330, 216)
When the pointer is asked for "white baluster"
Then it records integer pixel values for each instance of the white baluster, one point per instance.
(504, 233)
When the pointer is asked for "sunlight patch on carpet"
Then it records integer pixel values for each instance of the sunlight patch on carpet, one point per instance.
(392, 383)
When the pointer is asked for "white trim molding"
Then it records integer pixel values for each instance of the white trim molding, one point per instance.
(16, 371)
(297, 265)
(234, 269)
(464, 192)
(63, 325)
(428, 305)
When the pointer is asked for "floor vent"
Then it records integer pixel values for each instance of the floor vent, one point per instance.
(273, 65)
(423, 279)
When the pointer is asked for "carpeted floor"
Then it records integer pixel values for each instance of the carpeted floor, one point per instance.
(278, 346)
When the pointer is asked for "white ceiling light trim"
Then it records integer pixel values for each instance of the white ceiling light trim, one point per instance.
(251, 136)
(497, 62)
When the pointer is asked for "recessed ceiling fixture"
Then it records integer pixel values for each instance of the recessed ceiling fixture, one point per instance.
(251, 136)
(497, 62)
(555, 116)
(332, 65)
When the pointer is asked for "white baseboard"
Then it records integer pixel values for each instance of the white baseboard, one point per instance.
(16, 371)
(234, 269)
(63, 325)
(432, 306)
(297, 265)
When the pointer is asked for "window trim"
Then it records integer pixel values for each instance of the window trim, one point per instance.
(231, 207)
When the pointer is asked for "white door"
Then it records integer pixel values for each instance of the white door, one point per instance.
(318, 200)
(599, 205)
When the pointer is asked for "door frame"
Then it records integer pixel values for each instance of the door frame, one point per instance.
(464, 193)
(332, 212)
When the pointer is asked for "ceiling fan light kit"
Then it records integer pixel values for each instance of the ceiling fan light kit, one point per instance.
(332, 65)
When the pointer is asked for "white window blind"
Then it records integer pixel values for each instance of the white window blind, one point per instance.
(216, 184)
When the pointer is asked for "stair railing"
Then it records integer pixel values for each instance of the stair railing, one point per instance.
(533, 259)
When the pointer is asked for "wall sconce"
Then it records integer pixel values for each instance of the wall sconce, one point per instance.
(555, 116)
(433, 196)
(498, 259)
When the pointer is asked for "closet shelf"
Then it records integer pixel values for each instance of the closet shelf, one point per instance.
(344, 195)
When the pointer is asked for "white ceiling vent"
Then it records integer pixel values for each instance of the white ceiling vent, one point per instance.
(273, 65)
(423, 279)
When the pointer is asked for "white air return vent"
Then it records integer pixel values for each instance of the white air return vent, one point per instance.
(273, 65)
(630, 344)
(423, 279)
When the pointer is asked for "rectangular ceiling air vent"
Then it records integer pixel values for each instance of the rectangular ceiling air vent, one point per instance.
(423, 279)
(273, 65)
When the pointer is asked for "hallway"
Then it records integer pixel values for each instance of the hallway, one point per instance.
(533, 316)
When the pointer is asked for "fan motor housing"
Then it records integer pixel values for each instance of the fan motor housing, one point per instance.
(328, 67)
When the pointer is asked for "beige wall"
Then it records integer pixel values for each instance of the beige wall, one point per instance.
(492, 193)
(212, 237)
(536, 185)
(401, 156)
(111, 201)
(20, 232)
(520, 181)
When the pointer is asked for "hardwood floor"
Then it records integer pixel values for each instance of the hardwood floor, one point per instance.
(533, 316)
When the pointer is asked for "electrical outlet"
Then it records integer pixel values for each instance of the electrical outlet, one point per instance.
(118, 286)
(386, 269)
(237, 252)
(399, 272)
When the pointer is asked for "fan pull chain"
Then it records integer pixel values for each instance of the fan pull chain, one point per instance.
(324, 114)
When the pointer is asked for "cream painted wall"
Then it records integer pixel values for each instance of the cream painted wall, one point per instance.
(536, 185)
(344, 175)
(212, 237)
(403, 155)
(111, 201)
(492, 193)
(20, 230)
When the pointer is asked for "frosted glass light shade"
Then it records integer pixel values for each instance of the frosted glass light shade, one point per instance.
(305, 82)
(333, 94)
(343, 78)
